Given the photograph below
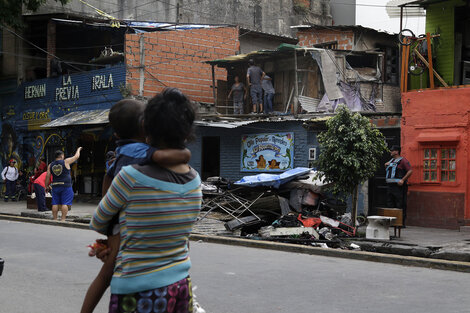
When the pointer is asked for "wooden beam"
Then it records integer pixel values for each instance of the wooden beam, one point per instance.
(407, 61)
(403, 71)
(431, 69)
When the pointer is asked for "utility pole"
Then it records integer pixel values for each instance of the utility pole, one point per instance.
(142, 65)
(177, 12)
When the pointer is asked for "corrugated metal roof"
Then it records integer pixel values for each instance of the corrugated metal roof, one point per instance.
(341, 27)
(90, 117)
(230, 123)
(224, 124)
(282, 49)
(421, 2)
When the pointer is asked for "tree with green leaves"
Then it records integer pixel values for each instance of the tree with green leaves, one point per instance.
(11, 10)
(350, 150)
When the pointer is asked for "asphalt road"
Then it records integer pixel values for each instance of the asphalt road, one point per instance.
(47, 270)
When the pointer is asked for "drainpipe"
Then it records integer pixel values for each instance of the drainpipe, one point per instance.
(142, 66)
(213, 87)
(401, 18)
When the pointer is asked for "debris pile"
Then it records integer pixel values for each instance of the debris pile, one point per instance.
(290, 207)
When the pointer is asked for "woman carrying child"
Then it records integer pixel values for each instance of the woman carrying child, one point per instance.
(157, 206)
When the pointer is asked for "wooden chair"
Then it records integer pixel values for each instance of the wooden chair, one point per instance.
(393, 212)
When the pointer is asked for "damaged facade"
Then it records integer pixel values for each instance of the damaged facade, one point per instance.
(298, 109)
(139, 59)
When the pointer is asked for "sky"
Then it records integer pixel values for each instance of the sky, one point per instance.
(373, 14)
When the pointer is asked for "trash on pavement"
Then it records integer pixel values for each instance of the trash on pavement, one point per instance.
(288, 207)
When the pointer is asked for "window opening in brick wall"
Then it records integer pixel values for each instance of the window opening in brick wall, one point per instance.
(362, 60)
(439, 164)
(332, 45)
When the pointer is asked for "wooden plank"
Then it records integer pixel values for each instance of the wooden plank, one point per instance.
(433, 70)
(407, 60)
(402, 71)
(430, 67)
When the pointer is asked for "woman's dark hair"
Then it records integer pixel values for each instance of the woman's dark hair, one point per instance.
(168, 119)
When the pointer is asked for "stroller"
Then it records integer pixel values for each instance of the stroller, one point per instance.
(21, 191)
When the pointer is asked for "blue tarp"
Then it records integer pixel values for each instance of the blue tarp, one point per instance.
(272, 180)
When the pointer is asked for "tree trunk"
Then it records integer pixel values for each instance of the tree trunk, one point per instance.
(354, 206)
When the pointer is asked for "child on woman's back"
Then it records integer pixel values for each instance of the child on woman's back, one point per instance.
(125, 118)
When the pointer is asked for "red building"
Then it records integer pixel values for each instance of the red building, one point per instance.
(435, 128)
(435, 122)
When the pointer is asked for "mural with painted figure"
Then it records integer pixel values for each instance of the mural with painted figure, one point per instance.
(9, 142)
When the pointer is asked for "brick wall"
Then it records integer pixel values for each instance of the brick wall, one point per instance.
(344, 38)
(388, 94)
(175, 59)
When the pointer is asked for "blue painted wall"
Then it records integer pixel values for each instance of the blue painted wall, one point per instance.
(17, 109)
(230, 148)
(28, 107)
(230, 144)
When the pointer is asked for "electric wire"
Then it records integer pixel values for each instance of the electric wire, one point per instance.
(87, 73)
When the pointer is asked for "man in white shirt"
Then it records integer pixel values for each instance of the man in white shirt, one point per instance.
(9, 176)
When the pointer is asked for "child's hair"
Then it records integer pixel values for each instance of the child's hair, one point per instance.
(168, 119)
(125, 118)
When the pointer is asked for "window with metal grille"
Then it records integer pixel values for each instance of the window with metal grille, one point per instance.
(439, 164)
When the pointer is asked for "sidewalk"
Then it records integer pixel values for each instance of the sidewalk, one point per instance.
(420, 242)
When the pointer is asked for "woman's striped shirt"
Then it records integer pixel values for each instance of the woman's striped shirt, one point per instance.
(155, 218)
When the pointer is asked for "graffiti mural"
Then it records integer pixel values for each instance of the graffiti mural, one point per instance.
(9, 146)
(267, 152)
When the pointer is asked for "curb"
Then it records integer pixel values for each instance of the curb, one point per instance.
(346, 254)
(17, 218)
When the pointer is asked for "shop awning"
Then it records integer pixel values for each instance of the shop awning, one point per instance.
(90, 117)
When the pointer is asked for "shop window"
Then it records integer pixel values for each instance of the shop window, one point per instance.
(439, 164)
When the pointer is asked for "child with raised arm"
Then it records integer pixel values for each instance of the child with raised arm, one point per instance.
(126, 118)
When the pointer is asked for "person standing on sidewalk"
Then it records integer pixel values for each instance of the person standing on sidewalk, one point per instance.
(62, 192)
(157, 206)
(39, 187)
(254, 77)
(398, 170)
(10, 175)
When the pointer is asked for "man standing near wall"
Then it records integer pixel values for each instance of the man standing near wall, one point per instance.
(398, 170)
(254, 77)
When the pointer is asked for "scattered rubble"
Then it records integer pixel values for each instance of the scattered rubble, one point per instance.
(290, 207)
